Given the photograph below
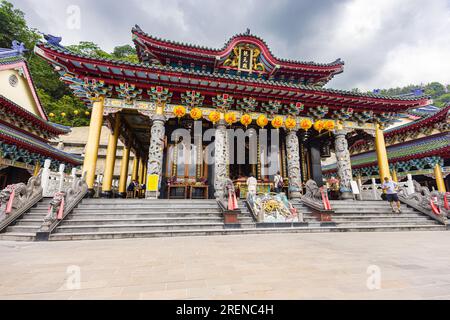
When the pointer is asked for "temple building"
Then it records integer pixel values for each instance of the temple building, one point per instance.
(25, 130)
(75, 143)
(240, 86)
(419, 146)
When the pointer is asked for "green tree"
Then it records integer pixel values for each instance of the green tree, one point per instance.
(14, 27)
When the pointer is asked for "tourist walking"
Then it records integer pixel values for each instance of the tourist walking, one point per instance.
(278, 183)
(391, 189)
(252, 185)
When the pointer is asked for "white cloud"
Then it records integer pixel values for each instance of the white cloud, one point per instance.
(385, 43)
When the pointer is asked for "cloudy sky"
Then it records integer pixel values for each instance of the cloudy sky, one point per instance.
(385, 43)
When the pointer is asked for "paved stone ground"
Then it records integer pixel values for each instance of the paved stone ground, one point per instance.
(413, 265)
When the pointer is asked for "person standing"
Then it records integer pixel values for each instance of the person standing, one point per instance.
(278, 183)
(252, 185)
(391, 189)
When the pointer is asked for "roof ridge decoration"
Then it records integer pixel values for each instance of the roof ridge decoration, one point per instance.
(234, 40)
(432, 118)
(63, 50)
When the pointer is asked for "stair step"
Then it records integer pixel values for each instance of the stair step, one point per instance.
(17, 236)
(142, 227)
(190, 233)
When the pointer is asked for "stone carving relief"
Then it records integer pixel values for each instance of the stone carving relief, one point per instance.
(293, 159)
(344, 165)
(221, 160)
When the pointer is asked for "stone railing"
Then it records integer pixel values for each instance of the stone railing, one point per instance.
(62, 204)
(315, 197)
(430, 203)
(374, 191)
(54, 182)
(17, 199)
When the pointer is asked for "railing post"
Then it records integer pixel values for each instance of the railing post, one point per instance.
(46, 176)
(61, 175)
(410, 185)
(374, 189)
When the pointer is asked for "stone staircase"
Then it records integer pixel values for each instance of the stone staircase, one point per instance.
(378, 216)
(123, 218)
(120, 218)
(25, 228)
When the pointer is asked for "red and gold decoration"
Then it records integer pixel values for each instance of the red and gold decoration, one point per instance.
(230, 118)
(179, 111)
(294, 109)
(319, 125)
(159, 95)
(290, 123)
(223, 102)
(214, 117)
(196, 114)
(277, 122)
(306, 124)
(262, 121)
(246, 120)
(192, 99)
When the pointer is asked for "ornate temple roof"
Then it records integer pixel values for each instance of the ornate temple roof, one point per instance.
(436, 145)
(149, 47)
(439, 115)
(25, 141)
(7, 105)
(13, 59)
(25, 129)
(76, 68)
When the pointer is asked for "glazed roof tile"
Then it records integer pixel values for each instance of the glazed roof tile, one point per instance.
(213, 51)
(436, 144)
(65, 51)
(49, 126)
(35, 145)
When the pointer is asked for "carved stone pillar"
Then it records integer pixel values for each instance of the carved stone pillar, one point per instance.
(293, 162)
(156, 152)
(344, 164)
(221, 159)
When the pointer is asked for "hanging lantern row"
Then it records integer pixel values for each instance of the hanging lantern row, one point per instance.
(278, 122)
(64, 114)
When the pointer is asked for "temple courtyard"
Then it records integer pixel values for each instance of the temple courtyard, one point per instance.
(404, 265)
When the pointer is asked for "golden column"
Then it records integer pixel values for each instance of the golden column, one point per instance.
(111, 158)
(383, 163)
(141, 171)
(37, 169)
(439, 178)
(91, 153)
(134, 175)
(124, 172)
(394, 175)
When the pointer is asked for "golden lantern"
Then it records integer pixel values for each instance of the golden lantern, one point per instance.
(306, 124)
(246, 120)
(319, 125)
(214, 117)
(87, 113)
(230, 118)
(262, 121)
(329, 125)
(277, 122)
(179, 111)
(51, 115)
(76, 112)
(196, 114)
(63, 114)
(290, 123)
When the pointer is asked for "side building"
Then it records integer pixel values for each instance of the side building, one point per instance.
(25, 130)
